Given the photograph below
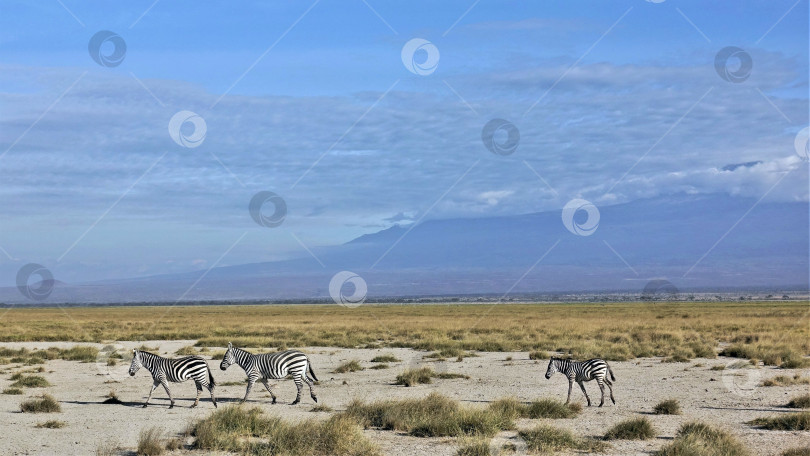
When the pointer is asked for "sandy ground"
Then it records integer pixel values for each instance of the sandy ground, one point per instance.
(726, 399)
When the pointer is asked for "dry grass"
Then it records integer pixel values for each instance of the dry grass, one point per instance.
(541, 408)
(247, 431)
(107, 448)
(698, 439)
(802, 401)
(52, 424)
(784, 380)
(379, 366)
(321, 408)
(28, 381)
(539, 355)
(385, 359)
(150, 442)
(186, 351)
(632, 429)
(802, 451)
(667, 407)
(350, 366)
(422, 375)
(619, 331)
(474, 447)
(42, 404)
(798, 421)
(12, 391)
(548, 439)
(81, 353)
(432, 416)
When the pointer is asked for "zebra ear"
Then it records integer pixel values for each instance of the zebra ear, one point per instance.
(229, 345)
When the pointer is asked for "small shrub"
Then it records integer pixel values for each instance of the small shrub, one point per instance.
(698, 439)
(321, 408)
(415, 376)
(667, 407)
(12, 391)
(548, 439)
(798, 421)
(478, 447)
(186, 351)
(549, 408)
(149, 442)
(802, 401)
(784, 380)
(450, 375)
(537, 355)
(379, 366)
(107, 448)
(41, 404)
(802, 451)
(385, 359)
(718, 368)
(632, 429)
(81, 353)
(51, 424)
(351, 366)
(29, 381)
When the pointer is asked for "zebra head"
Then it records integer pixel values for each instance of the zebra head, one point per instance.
(136, 362)
(552, 367)
(228, 358)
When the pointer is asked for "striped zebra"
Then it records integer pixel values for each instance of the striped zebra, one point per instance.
(583, 372)
(272, 366)
(166, 370)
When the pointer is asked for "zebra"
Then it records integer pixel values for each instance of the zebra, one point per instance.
(583, 372)
(166, 370)
(272, 366)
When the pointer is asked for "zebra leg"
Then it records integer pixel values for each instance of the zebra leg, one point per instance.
(267, 387)
(154, 385)
(199, 391)
(247, 391)
(582, 385)
(610, 387)
(298, 384)
(211, 390)
(311, 390)
(171, 399)
(601, 387)
(570, 385)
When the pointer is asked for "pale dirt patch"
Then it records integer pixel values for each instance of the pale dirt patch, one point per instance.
(640, 384)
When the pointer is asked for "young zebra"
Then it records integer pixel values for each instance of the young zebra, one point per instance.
(272, 366)
(166, 370)
(583, 372)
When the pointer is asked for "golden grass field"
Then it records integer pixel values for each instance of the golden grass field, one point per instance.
(777, 333)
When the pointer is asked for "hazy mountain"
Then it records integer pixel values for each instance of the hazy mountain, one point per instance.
(634, 243)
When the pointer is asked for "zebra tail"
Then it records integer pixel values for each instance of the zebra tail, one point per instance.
(311, 372)
(211, 377)
(612, 377)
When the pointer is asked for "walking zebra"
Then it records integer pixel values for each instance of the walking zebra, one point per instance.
(166, 370)
(583, 372)
(272, 366)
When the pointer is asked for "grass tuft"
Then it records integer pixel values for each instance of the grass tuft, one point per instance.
(784, 380)
(350, 366)
(415, 376)
(379, 366)
(802, 451)
(12, 391)
(797, 421)
(186, 351)
(42, 404)
(541, 408)
(632, 429)
(29, 381)
(150, 442)
(477, 447)
(321, 408)
(538, 355)
(667, 407)
(548, 439)
(802, 401)
(698, 439)
(51, 424)
(385, 359)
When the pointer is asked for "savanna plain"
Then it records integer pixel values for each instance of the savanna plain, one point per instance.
(692, 378)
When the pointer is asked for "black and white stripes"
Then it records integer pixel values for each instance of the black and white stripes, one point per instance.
(166, 370)
(272, 366)
(593, 369)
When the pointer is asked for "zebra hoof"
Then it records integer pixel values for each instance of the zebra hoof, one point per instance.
(144, 406)
(315, 399)
(295, 403)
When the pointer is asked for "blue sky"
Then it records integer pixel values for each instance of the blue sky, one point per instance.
(311, 100)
